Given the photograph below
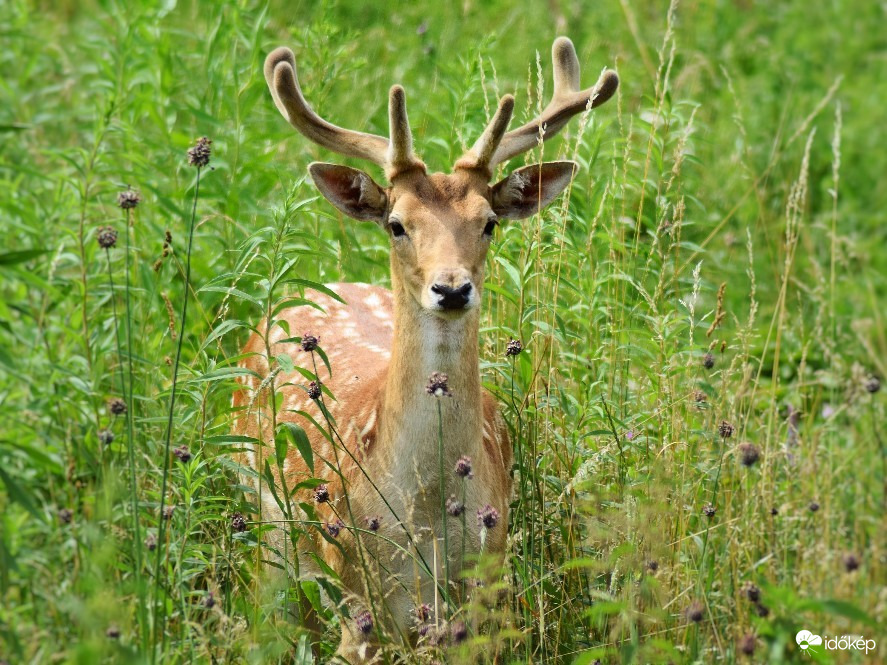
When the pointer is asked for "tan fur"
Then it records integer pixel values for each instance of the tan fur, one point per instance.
(384, 460)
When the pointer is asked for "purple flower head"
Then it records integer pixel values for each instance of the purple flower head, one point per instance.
(309, 342)
(364, 622)
(463, 467)
(488, 517)
(322, 493)
(333, 528)
(455, 508)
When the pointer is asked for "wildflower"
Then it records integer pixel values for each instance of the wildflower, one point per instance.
(813, 507)
(851, 562)
(314, 390)
(322, 493)
(238, 523)
(762, 610)
(752, 592)
(458, 631)
(373, 523)
(455, 508)
(168, 511)
(708, 360)
(309, 342)
(873, 384)
(422, 28)
(113, 633)
(774, 511)
(629, 435)
(748, 643)
(695, 612)
(364, 622)
(182, 453)
(209, 601)
(106, 436)
(463, 467)
(437, 385)
(107, 237)
(117, 406)
(423, 612)
(709, 510)
(749, 454)
(488, 517)
(199, 155)
(652, 565)
(66, 515)
(128, 199)
(827, 411)
(333, 528)
(151, 542)
(700, 397)
(726, 429)
(513, 348)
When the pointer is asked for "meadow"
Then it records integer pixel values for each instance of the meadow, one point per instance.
(697, 413)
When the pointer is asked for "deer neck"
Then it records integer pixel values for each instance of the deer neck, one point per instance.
(424, 343)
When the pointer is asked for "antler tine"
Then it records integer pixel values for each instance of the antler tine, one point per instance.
(400, 151)
(568, 100)
(481, 153)
(280, 73)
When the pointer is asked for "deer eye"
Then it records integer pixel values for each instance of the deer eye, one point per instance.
(490, 227)
(397, 229)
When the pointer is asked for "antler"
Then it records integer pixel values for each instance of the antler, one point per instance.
(494, 146)
(394, 156)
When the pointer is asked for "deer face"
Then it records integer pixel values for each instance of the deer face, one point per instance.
(441, 225)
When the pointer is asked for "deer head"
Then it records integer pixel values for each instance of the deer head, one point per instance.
(440, 225)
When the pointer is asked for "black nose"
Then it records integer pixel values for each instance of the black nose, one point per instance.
(451, 298)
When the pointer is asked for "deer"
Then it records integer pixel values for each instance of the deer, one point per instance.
(389, 454)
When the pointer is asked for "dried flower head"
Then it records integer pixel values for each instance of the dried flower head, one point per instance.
(726, 429)
(749, 454)
(813, 507)
(65, 515)
(463, 467)
(700, 397)
(168, 511)
(238, 523)
(106, 436)
(695, 612)
(748, 643)
(487, 517)
(373, 523)
(334, 528)
(873, 384)
(309, 342)
(364, 622)
(751, 591)
(182, 453)
(762, 610)
(708, 360)
(423, 612)
(437, 385)
(209, 601)
(314, 390)
(458, 632)
(514, 347)
(652, 565)
(199, 155)
(322, 493)
(851, 562)
(113, 633)
(150, 542)
(128, 199)
(709, 510)
(117, 406)
(455, 508)
(106, 237)
(774, 511)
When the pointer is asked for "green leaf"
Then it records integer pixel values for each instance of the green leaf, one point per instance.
(298, 436)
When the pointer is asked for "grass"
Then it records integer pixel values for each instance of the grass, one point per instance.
(729, 202)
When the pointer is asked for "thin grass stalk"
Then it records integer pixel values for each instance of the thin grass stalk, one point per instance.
(169, 420)
(443, 502)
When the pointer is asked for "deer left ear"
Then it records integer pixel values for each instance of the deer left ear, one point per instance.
(529, 189)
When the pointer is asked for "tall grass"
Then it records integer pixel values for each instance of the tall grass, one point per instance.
(711, 287)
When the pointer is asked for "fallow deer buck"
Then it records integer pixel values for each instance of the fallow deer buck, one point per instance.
(381, 463)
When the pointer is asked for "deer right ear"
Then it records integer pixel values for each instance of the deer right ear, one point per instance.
(350, 190)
